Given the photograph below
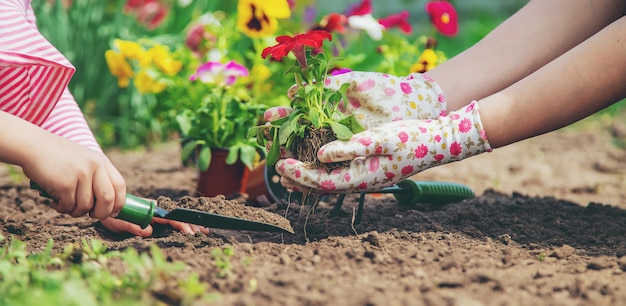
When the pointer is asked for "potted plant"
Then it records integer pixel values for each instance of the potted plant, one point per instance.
(214, 129)
(205, 102)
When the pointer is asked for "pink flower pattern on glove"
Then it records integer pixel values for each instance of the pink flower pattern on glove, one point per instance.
(388, 153)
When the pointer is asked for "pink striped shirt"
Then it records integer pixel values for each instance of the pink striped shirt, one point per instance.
(34, 76)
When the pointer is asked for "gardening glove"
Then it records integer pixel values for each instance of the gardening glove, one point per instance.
(376, 98)
(388, 153)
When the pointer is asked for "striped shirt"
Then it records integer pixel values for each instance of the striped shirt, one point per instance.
(34, 76)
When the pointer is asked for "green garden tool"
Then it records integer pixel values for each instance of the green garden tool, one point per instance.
(408, 192)
(141, 211)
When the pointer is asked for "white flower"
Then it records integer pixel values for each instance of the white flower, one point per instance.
(368, 24)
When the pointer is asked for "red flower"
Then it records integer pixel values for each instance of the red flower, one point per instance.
(397, 20)
(334, 23)
(443, 16)
(150, 13)
(296, 44)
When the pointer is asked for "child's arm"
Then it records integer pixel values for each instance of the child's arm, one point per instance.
(82, 180)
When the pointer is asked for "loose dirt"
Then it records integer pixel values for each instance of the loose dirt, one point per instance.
(547, 227)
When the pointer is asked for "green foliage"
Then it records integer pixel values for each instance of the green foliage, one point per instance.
(222, 258)
(89, 274)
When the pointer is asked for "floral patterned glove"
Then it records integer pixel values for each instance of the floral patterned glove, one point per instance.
(388, 153)
(376, 98)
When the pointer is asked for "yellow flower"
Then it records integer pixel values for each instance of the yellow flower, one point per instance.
(119, 67)
(147, 84)
(163, 60)
(258, 74)
(426, 61)
(257, 18)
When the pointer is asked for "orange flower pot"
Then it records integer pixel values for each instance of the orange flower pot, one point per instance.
(221, 178)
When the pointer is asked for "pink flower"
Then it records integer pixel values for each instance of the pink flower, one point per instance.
(470, 107)
(373, 165)
(404, 136)
(421, 151)
(366, 85)
(455, 149)
(362, 186)
(438, 138)
(443, 15)
(218, 73)
(406, 88)
(390, 175)
(441, 98)
(439, 157)
(379, 150)
(454, 116)
(297, 173)
(422, 129)
(365, 141)
(328, 185)
(340, 71)
(390, 92)
(363, 8)
(407, 170)
(395, 108)
(346, 177)
(355, 103)
(397, 20)
(465, 125)
(443, 113)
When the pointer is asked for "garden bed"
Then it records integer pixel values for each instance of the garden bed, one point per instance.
(547, 227)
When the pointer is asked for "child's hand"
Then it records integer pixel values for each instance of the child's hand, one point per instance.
(388, 153)
(81, 180)
(121, 226)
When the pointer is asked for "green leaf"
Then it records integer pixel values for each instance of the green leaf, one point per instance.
(287, 128)
(204, 158)
(233, 154)
(248, 154)
(352, 124)
(188, 148)
(274, 153)
(184, 123)
(341, 131)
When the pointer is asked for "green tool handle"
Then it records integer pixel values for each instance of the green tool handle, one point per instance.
(135, 210)
(408, 192)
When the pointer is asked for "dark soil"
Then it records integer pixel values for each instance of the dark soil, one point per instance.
(547, 227)
(220, 206)
(306, 148)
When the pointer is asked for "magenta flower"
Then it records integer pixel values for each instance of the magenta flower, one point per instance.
(327, 185)
(421, 151)
(407, 170)
(219, 74)
(443, 16)
(397, 20)
(465, 125)
(455, 149)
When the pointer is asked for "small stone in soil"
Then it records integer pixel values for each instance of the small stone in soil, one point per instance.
(219, 205)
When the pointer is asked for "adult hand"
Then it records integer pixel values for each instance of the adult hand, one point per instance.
(376, 98)
(388, 153)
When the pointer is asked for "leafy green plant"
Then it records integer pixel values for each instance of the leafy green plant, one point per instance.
(315, 107)
(222, 258)
(90, 274)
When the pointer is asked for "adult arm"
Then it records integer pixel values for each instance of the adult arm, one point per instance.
(580, 82)
(538, 33)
